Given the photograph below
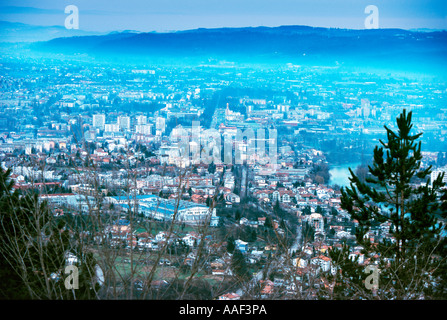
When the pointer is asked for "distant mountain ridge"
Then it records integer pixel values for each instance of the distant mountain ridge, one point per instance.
(295, 43)
(21, 32)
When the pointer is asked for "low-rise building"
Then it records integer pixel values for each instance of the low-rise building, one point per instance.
(167, 209)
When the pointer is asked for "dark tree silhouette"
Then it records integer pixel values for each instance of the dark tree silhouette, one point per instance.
(411, 257)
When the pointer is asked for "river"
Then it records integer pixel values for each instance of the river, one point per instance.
(340, 173)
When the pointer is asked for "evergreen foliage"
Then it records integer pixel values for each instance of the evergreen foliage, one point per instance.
(34, 246)
(412, 258)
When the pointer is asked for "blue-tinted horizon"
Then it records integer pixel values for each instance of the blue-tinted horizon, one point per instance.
(172, 15)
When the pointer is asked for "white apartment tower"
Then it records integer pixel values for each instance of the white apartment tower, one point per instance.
(124, 122)
(143, 129)
(160, 124)
(111, 127)
(99, 121)
(141, 119)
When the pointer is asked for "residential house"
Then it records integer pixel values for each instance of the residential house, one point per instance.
(323, 263)
(267, 288)
(242, 246)
(232, 198)
(230, 296)
(357, 255)
(192, 239)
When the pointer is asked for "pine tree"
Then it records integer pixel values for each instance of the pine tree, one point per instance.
(239, 266)
(308, 232)
(231, 245)
(410, 258)
(237, 215)
(33, 249)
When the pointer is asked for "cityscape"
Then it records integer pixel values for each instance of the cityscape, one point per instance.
(222, 177)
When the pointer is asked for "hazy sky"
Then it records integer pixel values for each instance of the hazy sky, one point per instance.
(165, 15)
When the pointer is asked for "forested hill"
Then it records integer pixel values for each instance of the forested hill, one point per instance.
(295, 44)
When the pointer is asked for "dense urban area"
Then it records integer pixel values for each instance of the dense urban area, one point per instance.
(209, 181)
